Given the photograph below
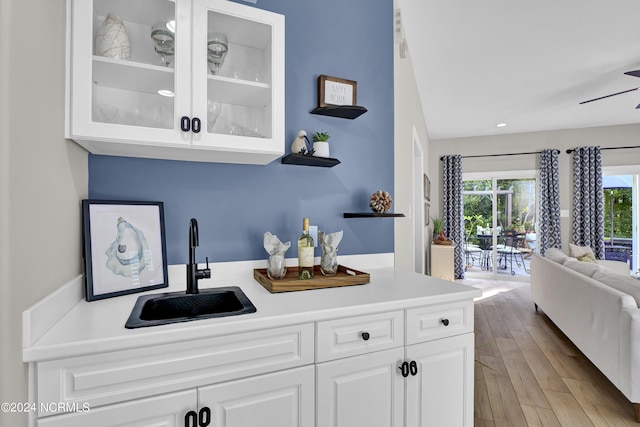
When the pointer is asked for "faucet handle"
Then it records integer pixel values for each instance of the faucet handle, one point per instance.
(207, 270)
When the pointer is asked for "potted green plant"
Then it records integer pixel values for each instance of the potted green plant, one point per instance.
(321, 144)
(437, 226)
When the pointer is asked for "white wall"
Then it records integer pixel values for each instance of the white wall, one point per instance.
(43, 178)
(611, 136)
(408, 114)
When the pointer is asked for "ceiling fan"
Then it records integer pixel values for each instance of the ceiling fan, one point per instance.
(635, 73)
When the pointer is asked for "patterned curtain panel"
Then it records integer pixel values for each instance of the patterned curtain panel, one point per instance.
(588, 203)
(549, 224)
(452, 208)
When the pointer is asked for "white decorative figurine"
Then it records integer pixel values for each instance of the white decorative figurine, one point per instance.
(329, 259)
(299, 143)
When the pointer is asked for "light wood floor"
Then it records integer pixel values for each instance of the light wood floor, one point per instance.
(529, 374)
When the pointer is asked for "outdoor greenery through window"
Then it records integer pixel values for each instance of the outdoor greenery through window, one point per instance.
(516, 206)
(618, 221)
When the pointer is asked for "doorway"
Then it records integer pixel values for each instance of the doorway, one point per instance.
(500, 223)
(419, 250)
(621, 215)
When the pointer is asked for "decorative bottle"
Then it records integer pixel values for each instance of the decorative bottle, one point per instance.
(305, 252)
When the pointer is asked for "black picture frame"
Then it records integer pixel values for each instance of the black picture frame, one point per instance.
(124, 247)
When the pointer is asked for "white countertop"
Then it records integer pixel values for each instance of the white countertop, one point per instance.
(98, 326)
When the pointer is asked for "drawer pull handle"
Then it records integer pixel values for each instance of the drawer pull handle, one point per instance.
(445, 322)
(366, 336)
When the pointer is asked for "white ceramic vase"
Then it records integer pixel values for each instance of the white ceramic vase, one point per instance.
(112, 40)
(321, 149)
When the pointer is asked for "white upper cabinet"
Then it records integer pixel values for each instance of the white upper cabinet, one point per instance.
(181, 97)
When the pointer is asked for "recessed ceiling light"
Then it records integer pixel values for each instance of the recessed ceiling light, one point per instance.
(166, 92)
(501, 125)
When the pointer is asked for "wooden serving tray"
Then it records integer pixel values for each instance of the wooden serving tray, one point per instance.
(292, 283)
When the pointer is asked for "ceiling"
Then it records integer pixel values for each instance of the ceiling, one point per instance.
(527, 64)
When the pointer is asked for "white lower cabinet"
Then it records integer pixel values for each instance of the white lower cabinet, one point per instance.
(403, 368)
(167, 410)
(280, 399)
(364, 390)
(441, 393)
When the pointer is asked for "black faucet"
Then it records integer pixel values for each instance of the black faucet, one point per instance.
(193, 274)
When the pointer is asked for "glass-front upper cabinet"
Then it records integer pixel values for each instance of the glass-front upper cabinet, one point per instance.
(198, 80)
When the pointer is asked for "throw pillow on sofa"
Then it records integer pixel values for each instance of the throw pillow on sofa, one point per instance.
(587, 258)
(580, 251)
(586, 268)
(556, 255)
(626, 284)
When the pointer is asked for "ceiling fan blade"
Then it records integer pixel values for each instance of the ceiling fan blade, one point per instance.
(635, 73)
(608, 96)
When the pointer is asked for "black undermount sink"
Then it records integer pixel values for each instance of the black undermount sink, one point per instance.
(174, 307)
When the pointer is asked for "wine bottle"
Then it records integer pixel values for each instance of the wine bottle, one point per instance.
(305, 252)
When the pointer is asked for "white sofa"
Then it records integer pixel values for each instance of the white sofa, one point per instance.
(596, 306)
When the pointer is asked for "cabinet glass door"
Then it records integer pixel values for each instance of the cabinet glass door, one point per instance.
(125, 74)
(234, 61)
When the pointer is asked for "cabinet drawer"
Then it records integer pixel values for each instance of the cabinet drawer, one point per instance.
(433, 322)
(118, 376)
(358, 335)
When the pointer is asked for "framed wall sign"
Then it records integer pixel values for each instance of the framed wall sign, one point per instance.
(336, 91)
(124, 247)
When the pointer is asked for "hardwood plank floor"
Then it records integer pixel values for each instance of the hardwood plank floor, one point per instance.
(528, 373)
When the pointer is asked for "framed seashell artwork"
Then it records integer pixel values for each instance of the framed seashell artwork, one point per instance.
(124, 247)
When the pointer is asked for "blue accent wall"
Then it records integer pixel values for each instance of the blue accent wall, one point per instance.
(236, 204)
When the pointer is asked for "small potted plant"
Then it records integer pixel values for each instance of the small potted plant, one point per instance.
(321, 144)
(438, 232)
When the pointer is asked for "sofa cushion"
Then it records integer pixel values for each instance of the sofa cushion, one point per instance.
(555, 254)
(626, 284)
(586, 268)
(580, 251)
(617, 267)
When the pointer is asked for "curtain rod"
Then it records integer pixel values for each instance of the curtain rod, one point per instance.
(500, 155)
(571, 150)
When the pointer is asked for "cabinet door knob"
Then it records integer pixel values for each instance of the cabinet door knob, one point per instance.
(366, 336)
(185, 124)
(191, 419)
(413, 368)
(204, 417)
(404, 369)
(195, 125)
(445, 322)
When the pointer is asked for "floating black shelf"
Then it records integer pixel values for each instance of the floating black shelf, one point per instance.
(342, 111)
(306, 160)
(372, 215)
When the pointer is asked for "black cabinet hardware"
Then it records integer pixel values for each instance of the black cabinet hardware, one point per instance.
(191, 419)
(445, 322)
(366, 336)
(185, 124)
(404, 369)
(200, 419)
(195, 125)
(204, 417)
(413, 368)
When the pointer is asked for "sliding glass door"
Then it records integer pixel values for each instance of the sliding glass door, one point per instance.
(500, 223)
(622, 218)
